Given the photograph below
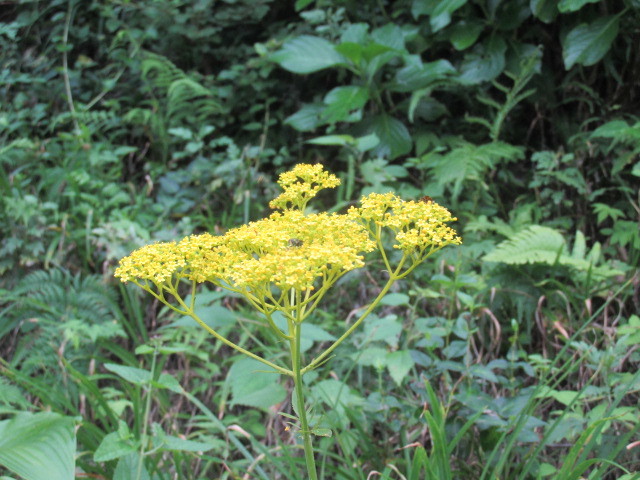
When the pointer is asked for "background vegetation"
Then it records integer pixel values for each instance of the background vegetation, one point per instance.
(514, 356)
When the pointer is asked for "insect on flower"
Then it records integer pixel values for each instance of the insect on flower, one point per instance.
(426, 199)
(295, 242)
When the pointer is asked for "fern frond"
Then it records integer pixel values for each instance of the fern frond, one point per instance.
(535, 244)
(472, 162)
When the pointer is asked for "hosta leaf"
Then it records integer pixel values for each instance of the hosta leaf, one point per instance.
(307, 54)
(587, 43)
(38, 446)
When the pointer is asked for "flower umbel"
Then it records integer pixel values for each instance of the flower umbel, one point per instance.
(301, 184)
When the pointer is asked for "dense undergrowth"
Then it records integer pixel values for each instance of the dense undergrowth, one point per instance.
(512, 356)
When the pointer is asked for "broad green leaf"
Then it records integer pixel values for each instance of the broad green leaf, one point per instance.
(387, 328)
(342, 102)
(340, 140)
(114, 446)
(134, 375)
(395, 299)
(464, 34)
(586, 44)
(440, 11)
(307, 54)
(566, 6)
(39, 446)
(418, 75)
(371, 357)
(545, 10)
(252, 385)
(394, 136)
(485, 62)
(169, 382)
(399, 365)
(307, 118)
(390, 36)
(355, 33)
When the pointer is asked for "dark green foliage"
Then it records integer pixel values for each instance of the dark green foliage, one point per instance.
(122, 123)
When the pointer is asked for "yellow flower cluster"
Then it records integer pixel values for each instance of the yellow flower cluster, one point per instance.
(301, 184)
(292, 250)
(418, 226)
(156, 262)
(289, 250)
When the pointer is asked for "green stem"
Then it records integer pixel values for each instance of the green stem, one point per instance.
(302, 413)
(147, 412)
(392, 278)
(227, 342)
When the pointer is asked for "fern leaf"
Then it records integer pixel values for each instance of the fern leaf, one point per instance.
(535, 244)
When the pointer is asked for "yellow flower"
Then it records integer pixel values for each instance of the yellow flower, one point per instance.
(301, 184)
(419, 227)
(156, 262)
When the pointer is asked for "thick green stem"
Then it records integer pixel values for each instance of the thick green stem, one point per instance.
(302, 413)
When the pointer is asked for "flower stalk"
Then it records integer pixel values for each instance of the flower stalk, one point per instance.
(288, 261)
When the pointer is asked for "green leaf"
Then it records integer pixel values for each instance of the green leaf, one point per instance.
(485, 62)
(418, 75)
(38, 446)
(387, 328)
(394, 136)
(566, 6)
(390, 36)
(441, 15)
(395, 299)
(545, 10)
(399, 365)
(371, 357)
(439, 11)
(464, 34)
(169, 382)
(307, 118)
(307, 54)
(342, 102)
(175, 443)
(252, 386)
(134, 375)
(341, 140)
(114, 446)
(586, 44)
